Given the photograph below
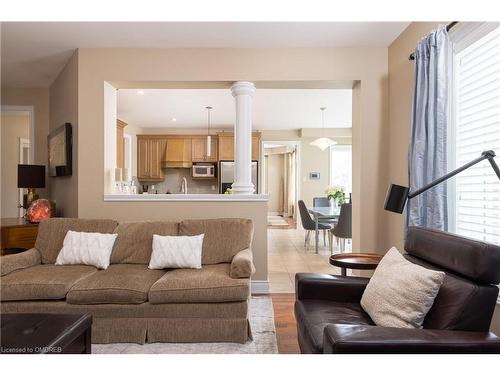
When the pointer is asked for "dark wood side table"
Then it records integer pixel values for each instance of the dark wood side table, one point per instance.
(46, 334)
(359, 261)
(17, 234)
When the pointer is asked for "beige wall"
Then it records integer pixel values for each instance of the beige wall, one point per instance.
(64, 108)
(227, 65)
(14, 126)
(400, 94)
(39, 99)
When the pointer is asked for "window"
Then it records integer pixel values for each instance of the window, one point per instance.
(341, 167)
(475, 201)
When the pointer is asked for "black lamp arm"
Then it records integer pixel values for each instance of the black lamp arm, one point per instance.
(490, 154)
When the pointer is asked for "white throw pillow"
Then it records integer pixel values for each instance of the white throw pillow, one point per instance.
(400, 293)
(176, 252)
(93, 249)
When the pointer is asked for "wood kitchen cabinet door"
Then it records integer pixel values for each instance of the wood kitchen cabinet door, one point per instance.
(226, 147)
(199, 149)
(157, 147)
(198, 146)
(149, 157)
(143, 164)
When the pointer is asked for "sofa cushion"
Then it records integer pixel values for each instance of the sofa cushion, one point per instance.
(314, 315)
(224, 238)
(135, 240)
(45, 281)
(211, 283)
(51, 233)
(120, 283)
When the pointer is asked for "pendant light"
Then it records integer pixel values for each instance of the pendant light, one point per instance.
(209, 138)
(323, 143)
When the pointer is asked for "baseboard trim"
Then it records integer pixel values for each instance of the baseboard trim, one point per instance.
(259, 286)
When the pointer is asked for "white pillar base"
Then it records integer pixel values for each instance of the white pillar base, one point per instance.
(242, 188)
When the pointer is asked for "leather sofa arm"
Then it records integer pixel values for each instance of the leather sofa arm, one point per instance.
(13, 262)
(343, 338)
(329, 287)
(242, 264)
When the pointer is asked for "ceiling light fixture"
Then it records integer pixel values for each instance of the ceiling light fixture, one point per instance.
(140, 92)
(174, 119)
(323, 142)
(209, 138)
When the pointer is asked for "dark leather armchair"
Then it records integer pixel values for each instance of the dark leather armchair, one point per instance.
(330, 318)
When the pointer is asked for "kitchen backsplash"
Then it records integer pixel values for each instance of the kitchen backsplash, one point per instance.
(173, 181)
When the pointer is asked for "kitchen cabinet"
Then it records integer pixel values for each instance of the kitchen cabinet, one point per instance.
(150, 152)
(120, 144)
(226, 146)
(199, 149)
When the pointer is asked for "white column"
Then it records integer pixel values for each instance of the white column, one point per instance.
(243, 95)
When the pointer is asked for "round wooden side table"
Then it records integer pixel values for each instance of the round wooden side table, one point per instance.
(359, 261)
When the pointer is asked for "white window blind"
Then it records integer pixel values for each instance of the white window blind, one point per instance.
(477, 128)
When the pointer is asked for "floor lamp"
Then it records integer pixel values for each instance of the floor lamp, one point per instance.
(397, 195)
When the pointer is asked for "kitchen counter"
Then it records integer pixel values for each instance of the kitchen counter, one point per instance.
(185, 198)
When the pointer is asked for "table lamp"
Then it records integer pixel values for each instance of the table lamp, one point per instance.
(30, 177)
(397, 195)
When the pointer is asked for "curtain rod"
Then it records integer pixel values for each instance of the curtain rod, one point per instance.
(448, 27)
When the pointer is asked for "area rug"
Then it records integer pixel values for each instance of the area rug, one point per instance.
(276, 221)
(261, 318)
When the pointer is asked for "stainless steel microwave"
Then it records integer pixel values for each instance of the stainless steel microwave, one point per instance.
(203, 170)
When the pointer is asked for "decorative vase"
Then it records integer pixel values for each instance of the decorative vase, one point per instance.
(38, 210)
(333, 202)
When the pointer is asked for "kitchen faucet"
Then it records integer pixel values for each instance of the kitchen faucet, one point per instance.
(184, 186)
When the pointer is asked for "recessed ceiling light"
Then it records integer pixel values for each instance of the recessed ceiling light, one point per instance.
(174, 119)
(140, 92)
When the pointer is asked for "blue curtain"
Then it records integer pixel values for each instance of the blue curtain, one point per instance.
(427, 156)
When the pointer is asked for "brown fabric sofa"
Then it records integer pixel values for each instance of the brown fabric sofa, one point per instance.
(128, 301)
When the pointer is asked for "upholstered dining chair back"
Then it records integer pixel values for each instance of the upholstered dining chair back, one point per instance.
(321, 202)
(305, 217)
(344, 227)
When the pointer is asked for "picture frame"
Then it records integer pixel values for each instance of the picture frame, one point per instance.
(60, 151)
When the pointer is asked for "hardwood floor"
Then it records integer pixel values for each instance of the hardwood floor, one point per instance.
(284, 320)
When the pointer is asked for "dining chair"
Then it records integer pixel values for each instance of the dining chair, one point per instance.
(343, 229)
(309, 225)
(323, 202)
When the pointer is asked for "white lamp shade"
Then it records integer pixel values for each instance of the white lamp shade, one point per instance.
(323, 143)
(209, 146)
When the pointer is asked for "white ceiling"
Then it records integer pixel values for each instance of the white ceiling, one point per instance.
(33, 53)
(272, 108)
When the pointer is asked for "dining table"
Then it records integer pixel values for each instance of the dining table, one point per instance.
(323, 213)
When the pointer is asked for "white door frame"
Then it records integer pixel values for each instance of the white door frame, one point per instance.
(297, 166)
(30, 111)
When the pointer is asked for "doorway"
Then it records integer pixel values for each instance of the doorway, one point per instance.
(16, 133)
(280, 182)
